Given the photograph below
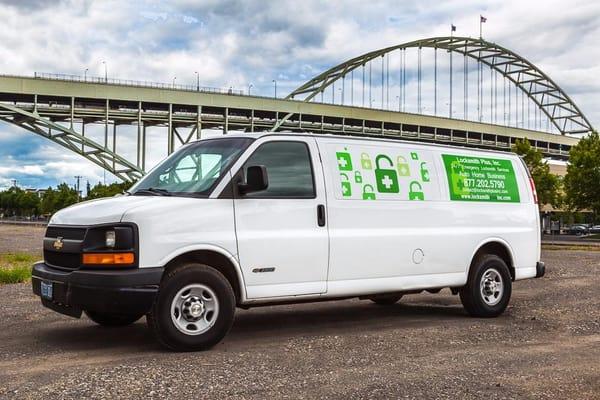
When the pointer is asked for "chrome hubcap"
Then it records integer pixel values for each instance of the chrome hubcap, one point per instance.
(194, 309)
(492, 287)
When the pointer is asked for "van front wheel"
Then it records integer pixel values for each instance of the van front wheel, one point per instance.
(194, 309)
(488, 289)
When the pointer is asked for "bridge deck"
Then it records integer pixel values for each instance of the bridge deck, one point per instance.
(62, 101)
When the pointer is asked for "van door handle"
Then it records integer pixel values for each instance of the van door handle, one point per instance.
(321, 215)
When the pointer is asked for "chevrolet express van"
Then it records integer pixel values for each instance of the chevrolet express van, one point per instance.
(256, 219)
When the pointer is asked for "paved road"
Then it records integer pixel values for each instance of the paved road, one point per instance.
(547, 345)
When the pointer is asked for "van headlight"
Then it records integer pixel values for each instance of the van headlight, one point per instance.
(111, 239)
(110, 245)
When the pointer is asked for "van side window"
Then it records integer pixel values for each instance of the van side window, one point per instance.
(288, 167)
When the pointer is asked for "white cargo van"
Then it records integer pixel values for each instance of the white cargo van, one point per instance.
(254, 219)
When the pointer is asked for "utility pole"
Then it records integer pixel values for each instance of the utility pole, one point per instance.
(14, 183)
(105, 72)
(78, 177)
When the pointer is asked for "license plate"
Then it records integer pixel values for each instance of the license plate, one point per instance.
(46, 289)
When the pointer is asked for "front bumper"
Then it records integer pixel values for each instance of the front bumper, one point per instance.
(128, 291)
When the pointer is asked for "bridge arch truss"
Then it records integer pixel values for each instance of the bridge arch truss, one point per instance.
(553, 101)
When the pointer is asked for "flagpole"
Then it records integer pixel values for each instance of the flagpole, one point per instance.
(452, 28)
(480, 27)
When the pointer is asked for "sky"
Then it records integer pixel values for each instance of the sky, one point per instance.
(234, 43)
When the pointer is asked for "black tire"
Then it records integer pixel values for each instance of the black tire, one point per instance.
(112, 320)
(471, 294)
(386, 300)
(164, 328)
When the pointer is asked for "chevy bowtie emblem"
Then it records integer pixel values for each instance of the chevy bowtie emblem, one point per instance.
(58, 243)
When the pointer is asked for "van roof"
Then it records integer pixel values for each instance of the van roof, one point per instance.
(258, 135)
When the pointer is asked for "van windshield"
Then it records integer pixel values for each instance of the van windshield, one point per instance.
(193, 170)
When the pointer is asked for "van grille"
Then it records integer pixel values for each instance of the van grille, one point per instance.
(70, 261)
(65, 259)
(65, 233)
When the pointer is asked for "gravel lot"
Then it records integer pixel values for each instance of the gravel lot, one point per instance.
(546, 345)
(21, 239)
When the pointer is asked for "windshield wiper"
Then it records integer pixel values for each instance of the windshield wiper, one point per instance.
(154, 191)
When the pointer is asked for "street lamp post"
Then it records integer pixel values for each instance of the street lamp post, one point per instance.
(197, 81)
(105, 72)
(275, 85)
(250, 86)
(174, 78)
(85, 74)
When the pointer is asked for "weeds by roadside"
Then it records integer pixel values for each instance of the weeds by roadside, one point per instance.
(16, 268)
(582, 247)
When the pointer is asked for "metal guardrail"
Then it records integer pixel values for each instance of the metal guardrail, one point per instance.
(130, 82)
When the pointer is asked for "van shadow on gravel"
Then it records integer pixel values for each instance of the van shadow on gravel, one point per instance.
(269, 323)
(339, 318)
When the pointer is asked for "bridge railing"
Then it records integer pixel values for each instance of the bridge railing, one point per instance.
(129, 82)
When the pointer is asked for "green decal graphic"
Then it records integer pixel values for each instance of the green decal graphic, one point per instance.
(357, 177)
(368, 192)
(414, 156)
(403, 169)
(344, 160)
(481, 179)
(424, 172)
(365, 161)
(346, 186)
(416, 191)
(387, 179)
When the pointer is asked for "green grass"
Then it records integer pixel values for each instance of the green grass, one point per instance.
(16, 268)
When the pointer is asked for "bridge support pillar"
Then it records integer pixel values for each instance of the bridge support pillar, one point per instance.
(170, 138)
(199, 123)
(139, 133)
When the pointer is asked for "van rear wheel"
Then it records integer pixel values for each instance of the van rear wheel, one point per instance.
(488, 289)
(194, 308)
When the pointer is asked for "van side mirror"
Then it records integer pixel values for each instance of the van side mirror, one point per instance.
(256, 179)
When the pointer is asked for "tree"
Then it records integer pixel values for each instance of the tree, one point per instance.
(547, 185)
(100, 190)
(582, 182)
(18, 202)
(59, 198)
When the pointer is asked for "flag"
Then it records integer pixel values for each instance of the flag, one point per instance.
(452, 28)
(482, 18)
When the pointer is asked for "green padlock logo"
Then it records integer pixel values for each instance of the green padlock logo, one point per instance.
(424, 172)
(416, 191)
(458, 178)
(344, 161)
(346, 186)
(387, 179)
(414, 156)
(368, 192)
(403, 169)
(365, 161)
(357, 177)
